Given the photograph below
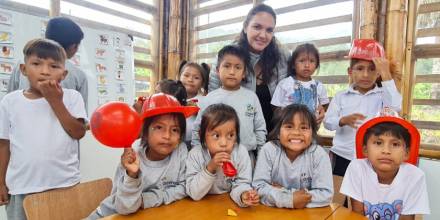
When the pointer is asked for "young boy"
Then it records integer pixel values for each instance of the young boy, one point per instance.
(383, 186)
(362, 100)
(39, 129)
(69, 35)
(231, 70)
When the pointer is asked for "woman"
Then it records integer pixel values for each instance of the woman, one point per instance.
(267, 63)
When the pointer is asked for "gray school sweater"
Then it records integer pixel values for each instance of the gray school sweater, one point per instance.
(199, 181)
(310, 170)
(159, 182)
(248, 108)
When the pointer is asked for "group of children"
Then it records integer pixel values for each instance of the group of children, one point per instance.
(287, 170)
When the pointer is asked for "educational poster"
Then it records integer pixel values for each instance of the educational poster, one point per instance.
(119, 75)
(103, 39)
(7, 51)
(4, 84)
(102, 80)
(6, 67)
(101, 68)
(120, 88)
(5, 37)
(5, 18)
(100, 53)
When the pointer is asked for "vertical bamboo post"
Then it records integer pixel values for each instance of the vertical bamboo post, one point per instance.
(368, 22)
(163, 40)
(381, 22)
(175, 51)
(193, 22)
(395, 37)
(155, 42)
(356, 19)
(54, 8)
(408, 77)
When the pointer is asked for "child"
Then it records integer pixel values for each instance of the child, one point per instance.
(220, 143)
(363, 99)
(292, 171)
(195, 79)
(300, 87)
(231, 69)
(383, 186)
(39, 129)
(155, 174)
(69, 35)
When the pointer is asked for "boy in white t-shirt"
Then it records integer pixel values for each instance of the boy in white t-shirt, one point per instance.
(384, 186)
(300, 88)
(39, 129)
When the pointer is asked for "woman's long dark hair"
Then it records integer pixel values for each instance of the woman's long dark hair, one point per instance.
(271, 54)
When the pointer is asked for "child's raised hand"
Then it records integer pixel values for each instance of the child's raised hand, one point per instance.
(217, 161)
(51, 90)
(351, 120)
(250, 197)
(4, 197)
(130, 162)
(320, 114)
(383, 67)
(301, 198)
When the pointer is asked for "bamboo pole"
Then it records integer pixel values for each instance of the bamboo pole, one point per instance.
(356, 19)
(395, 37)
(55, 9)
(163, 39)
(175, 39)
(155, 48)
(381, 22)
(192, 47)
(368, 22)
(408, 77)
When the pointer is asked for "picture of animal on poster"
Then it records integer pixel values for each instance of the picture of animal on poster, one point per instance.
(7, 52)
(5, 18)
(6, 68)
(103, 39)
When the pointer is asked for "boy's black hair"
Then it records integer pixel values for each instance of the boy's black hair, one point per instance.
(303, 48)
(64, 31)
(203, 69)
(286, 115)
(44, 49)
(235, 51)
(174, 88)
(395, 129)
(148, 121)
(216, 115)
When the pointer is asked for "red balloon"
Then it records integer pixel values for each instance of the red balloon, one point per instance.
(229, 169)
(115, 124)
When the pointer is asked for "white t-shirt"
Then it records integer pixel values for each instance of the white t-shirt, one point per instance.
(310, 93)
(406, 195)
(190, 120)
(43, 156)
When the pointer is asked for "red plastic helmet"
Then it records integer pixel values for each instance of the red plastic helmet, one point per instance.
(366, 49)
(161, 103)
(412, 130)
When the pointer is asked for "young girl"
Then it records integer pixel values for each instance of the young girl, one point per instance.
(155, 174)
(195, 79)
(300, 88)
(220, 143)
(292, 171)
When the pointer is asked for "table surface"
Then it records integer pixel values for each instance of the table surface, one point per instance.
(344, 213)
(216, 207)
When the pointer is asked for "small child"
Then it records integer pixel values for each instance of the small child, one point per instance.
(383, 186)
(231, 69)
(174, 88)
(300, 88)
(292, 171)
(220, 143)
(195, 79)
(155, 174)
(39, 129)
(362, 100)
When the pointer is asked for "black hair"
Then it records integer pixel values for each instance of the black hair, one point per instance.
(286, 115)
(232, 50)
(174, 88)
(216, 115)
(303, 48)
(44, 49)
(395, 129)
(271, 54)
(148, 121)
(64, 31)
(353, 62)
(203, 69)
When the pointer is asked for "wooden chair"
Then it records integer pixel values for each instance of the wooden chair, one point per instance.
(337, 196)
(75, 202)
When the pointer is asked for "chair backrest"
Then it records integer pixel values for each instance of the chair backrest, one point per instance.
(75, 202)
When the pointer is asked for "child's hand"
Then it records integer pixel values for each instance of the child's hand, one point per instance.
(320, 114)
(383, 67)
(4, 197)
(301, 198)
(351, 120)
(217, 161)
(51, 90)
(139, 103)
(130, 161)
(250, 198)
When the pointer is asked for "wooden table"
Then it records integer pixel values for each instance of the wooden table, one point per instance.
(216, 207)
(344, 213)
